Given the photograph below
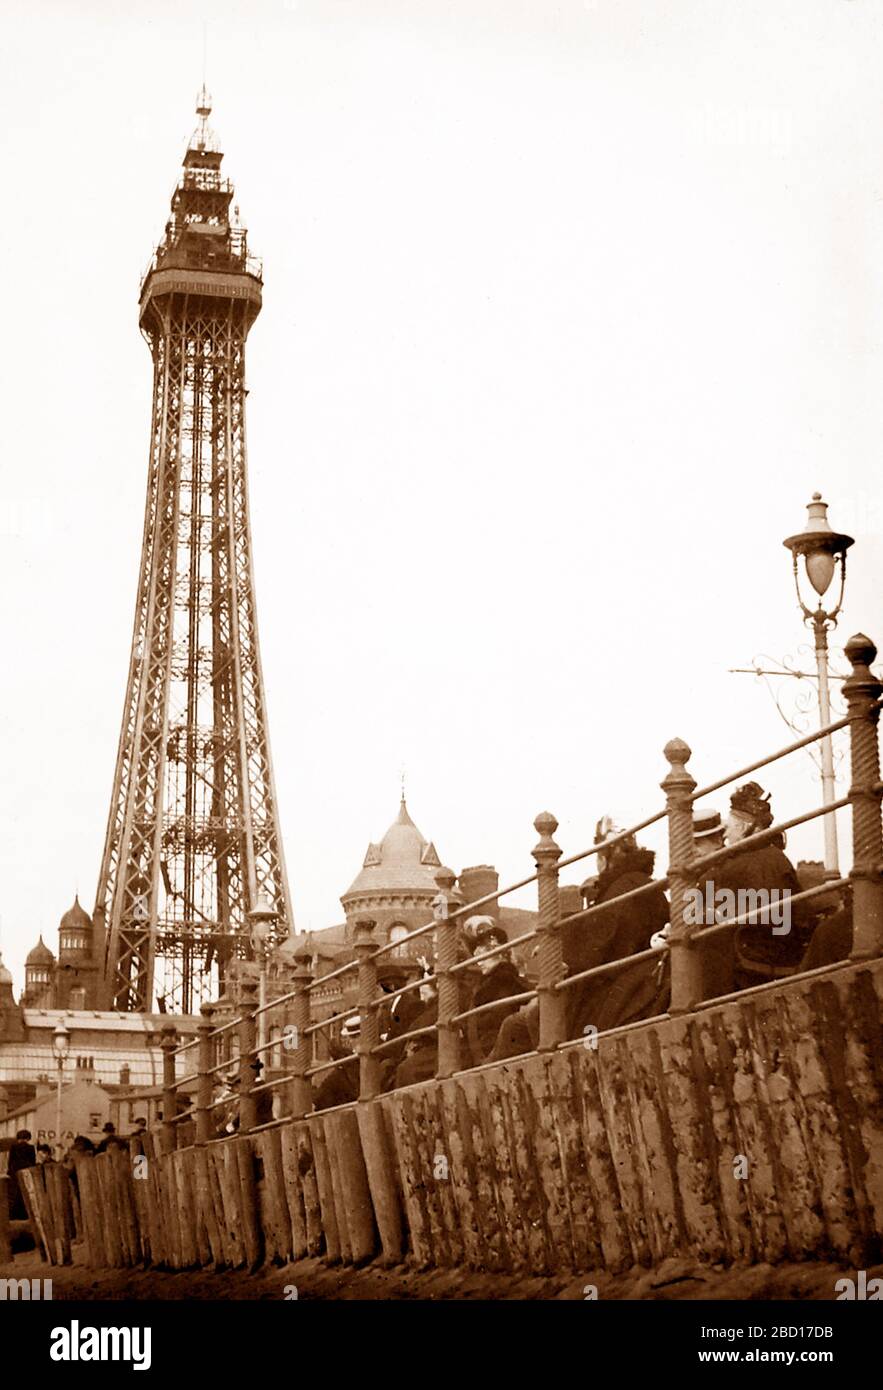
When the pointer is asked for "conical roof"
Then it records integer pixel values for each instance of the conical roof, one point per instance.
(40, 954)
(5, 975)
(403, 861)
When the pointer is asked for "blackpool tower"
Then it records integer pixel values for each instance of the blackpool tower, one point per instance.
(193, 843)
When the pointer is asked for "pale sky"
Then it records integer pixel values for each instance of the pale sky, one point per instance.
(568, 309)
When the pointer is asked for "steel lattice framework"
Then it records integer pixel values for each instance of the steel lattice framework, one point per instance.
(193, 835)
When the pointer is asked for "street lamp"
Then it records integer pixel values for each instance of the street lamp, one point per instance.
(821, 549)
(262, 917)
(61, 1041)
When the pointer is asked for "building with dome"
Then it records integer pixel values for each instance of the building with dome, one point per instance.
(73, 980)
(116, 1053)
(396, 883)
(39, 976)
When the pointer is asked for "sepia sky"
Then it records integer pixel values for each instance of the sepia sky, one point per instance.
(568, 309)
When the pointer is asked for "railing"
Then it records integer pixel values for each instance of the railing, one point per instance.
(686, 871)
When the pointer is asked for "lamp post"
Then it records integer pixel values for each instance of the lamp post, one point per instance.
(821, 549)
(262, 917)
(61, 1040)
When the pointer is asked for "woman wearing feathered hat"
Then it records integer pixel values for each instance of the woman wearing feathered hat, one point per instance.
(767, 949)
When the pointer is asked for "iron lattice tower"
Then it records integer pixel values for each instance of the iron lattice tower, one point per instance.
(193, 835)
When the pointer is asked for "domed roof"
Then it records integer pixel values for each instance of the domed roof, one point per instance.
(40, 955)
(76, 918)
(5, 975)
(403, 861)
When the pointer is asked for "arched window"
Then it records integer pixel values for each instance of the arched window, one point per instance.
(397, 932)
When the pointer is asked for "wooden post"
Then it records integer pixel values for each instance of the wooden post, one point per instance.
(297, 1045)
(448, 984)
(552, 1003)
(369, 1024)
(205, 1061)
(168, 1043)
(247, 1067)
(862, 694)
(686, 961)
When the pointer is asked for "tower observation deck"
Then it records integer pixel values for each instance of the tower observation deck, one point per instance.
(193, 834)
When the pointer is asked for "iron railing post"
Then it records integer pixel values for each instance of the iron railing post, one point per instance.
(247, 1062)
(448, 984)
(686, 960)
(369, 1023)
(204, 1085)
(168, 1042)
(862, 694)
(552, 1002)
(297, 1047)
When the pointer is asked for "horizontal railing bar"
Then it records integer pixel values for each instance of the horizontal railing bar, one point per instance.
(397, 993)
(403, 1037)
(497, 951)
(194, 1042)
(610, 967)
(332, 975)
(605, 905)
(604, 845)
(744, 918)
(494, 1004)
(762, 837)
(765, 985)
(225, 1028)
(773, 757)
(274, 1003)
(329, 1065)
(611, 1032)
(412, 936)
(334, 1018)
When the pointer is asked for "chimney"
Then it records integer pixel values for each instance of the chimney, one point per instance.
(85, 1069)
(125, 1075)
(476, 882)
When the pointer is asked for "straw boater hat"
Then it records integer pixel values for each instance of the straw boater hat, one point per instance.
(706, 822)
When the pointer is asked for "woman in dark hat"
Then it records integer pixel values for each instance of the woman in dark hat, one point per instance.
(498, 979)
(750, 955)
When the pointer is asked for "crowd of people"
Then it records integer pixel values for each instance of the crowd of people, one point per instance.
(23, 1153)
(780, 940)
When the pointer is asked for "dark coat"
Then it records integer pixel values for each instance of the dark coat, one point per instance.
(21, 1155)
(422, 1061)
(337, 1087)
(481, 1032)
(831, 941)
(751, 954)
(619, 931)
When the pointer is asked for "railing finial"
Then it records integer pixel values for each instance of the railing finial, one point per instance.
(862, 693)
(551, 1001)
(686, 962)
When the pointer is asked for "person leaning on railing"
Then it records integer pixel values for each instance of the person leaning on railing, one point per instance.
(756, 953)
(620, 930)
(420, 1061)
(497, 979)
